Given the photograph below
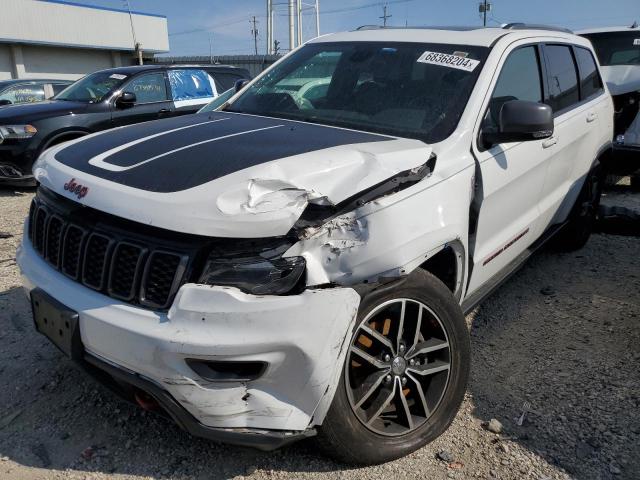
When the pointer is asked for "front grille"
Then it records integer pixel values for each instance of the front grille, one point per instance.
(137, 270)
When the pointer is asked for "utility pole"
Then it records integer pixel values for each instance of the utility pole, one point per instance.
(299, 20)
(384, 15)
(269, 26)
(211, 48)
(317, 18)
(254, 32)
(292, 26)
(136, 46)
(484, 8)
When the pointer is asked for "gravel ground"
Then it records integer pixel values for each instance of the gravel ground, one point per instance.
(562, 335)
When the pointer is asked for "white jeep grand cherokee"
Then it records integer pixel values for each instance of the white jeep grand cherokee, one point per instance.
(300, 262)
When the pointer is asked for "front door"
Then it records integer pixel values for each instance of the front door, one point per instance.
(511, 175)
(152, 100)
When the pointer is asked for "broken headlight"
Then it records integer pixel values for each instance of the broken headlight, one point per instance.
(255, 275)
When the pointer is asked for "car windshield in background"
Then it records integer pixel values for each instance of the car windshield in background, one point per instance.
(616, 48)
(404, 89)
(91, 88)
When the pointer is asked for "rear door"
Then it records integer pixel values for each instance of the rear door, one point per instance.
(511, 175)
(152, 100)
(574, 95)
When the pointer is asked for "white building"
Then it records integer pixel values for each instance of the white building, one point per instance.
(66, 40)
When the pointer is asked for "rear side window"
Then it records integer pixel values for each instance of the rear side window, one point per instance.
(224, 81)
(191, 85)
(590, 81)
(58, 87)
(563, 78)
(519, 80)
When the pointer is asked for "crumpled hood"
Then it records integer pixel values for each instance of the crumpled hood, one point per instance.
(622, 79)
(32, 112)
(223, 174)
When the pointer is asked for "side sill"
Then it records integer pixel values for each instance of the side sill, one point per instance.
(473, 300)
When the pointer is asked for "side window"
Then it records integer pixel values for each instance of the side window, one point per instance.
(519, 80)
(590, 81)
(149, 88)
(563, 79)
(58, 87)
(24, 93)
(191, 85)
(225, 81)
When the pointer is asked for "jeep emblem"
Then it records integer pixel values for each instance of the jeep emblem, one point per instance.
(78, 190)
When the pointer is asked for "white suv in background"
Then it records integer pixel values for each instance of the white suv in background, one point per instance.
(299, 264)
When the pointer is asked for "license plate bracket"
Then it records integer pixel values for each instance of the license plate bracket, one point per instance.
(57, 322)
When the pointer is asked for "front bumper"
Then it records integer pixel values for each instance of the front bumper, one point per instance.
(302, 338)
(16, 160)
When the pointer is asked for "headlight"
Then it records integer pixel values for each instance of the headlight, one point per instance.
(16, 132)
(255, 275)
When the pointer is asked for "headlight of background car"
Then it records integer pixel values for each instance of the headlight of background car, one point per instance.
(17, 132)
(255, 275)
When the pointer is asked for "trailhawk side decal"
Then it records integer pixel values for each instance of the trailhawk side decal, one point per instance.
(184, 152)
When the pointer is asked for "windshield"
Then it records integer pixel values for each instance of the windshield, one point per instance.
(403, 89)
(616, 48)
(92, 88)
(218, 101)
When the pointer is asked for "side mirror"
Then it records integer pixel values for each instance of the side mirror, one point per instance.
(240, 84)
(4, 102)
(521, 121)
(126, 100)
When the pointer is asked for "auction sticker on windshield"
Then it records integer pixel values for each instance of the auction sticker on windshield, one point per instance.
(458, 61)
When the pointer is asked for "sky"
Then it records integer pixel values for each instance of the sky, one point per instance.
(195, 26)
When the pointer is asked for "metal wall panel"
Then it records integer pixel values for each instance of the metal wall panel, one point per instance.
(53, 23)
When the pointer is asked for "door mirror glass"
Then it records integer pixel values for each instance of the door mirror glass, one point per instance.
(521, 121)
(240, 84)
(126, 100)
(4, 102)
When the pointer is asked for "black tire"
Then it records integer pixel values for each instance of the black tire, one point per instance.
(582, 219)
(344, 437)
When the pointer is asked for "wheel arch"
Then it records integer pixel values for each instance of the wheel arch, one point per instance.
(447, 264)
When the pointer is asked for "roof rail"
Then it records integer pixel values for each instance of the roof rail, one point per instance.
(534, 26)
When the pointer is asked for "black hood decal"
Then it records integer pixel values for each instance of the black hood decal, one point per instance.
(184, 152)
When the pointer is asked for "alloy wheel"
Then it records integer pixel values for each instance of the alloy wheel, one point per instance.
(398, 367)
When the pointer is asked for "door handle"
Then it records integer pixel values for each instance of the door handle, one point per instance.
(591, 116)
(550, 142)
(163, 111)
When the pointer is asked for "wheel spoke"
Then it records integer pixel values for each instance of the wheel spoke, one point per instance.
(423, 399)
(381, 403)
(416, 336)
(379, 364)
(405, 405)
(370, 385)
(379, 337)
(429, 368)
(430, 345)
(403, 309)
